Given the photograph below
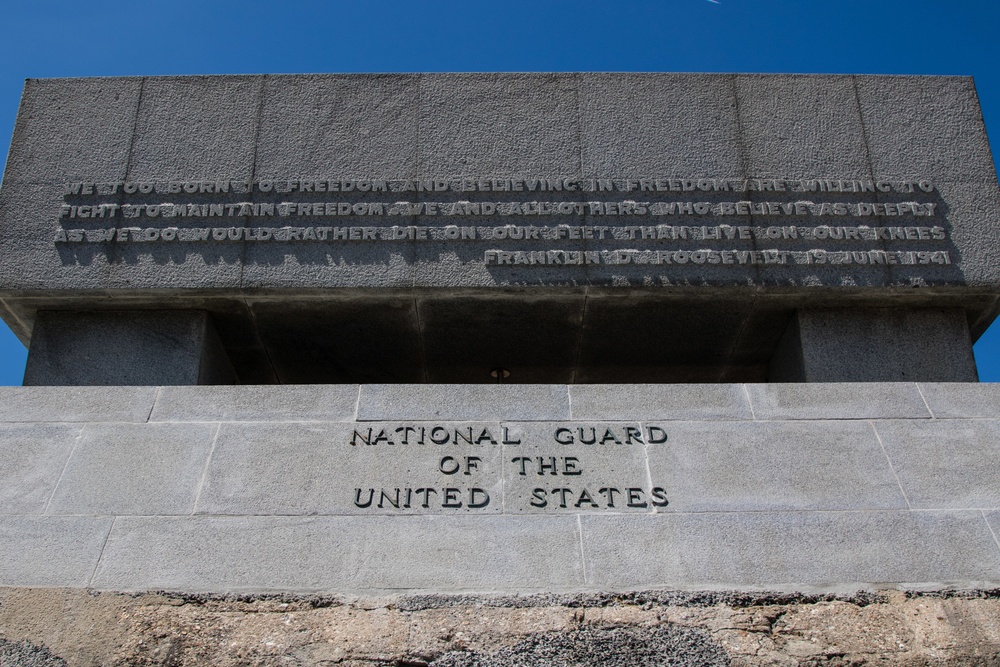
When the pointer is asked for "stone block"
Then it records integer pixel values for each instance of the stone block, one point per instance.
(498, 125)
(92, 148)
(949, 400)
(969, 214)
(304, 469)
(945, 463)
(837, 400)
(463, 402)
(345, 555)
(790, 551)
(925, 128)
(196, 128)
(39, 264)
(768, 466)
(74, 272)
(679, 303)
(659, 402)
(76, 404)
(578, 468)
(123, 469)
(348, 126)
(875, 345)
(51, 551)
(285, 403)
(34, 456)
(664, 125)
(126, 348)
(801, 127)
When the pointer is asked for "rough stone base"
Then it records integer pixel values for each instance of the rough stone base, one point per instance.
(48, 627)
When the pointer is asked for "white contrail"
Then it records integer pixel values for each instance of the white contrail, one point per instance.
(715, 1)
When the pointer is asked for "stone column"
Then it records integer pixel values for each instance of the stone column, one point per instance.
(137, 347)
(875, 345)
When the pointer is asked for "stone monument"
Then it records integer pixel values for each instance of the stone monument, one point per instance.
(500, 334)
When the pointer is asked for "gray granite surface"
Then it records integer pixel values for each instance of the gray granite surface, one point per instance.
(407, 298)
(875, 345)
(351, 489)
(122, 348)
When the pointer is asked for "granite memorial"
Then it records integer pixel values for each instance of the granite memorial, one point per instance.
(500, 332)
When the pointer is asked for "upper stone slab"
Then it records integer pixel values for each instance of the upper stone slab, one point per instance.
(234, 183)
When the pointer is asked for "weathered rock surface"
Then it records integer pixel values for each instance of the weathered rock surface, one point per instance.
(54, 627)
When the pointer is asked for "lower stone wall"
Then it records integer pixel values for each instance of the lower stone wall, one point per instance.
(53, 627)
(388, 489)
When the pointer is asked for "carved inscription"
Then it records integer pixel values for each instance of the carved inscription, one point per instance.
(674, 222)
(560, 467)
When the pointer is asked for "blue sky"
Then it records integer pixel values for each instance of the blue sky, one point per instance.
(49, 38)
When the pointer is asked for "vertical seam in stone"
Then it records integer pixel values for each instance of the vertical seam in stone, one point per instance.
(152, 408)
(253, 177)
(649, 472)
(259, 114)
(887, 271)
(416, 172)
(578, 81)
(569, 401)
(204, 472)
(583, 553)
(744, 160)
(864, 128)
(115, 250)
(578, 78)
(503, 483)
(135, 128)
(746, 393)
(72, 450)
(357, 404)
(924, 399)
(990, 528)
(417, 163)
(889, 461)
(104, 546)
